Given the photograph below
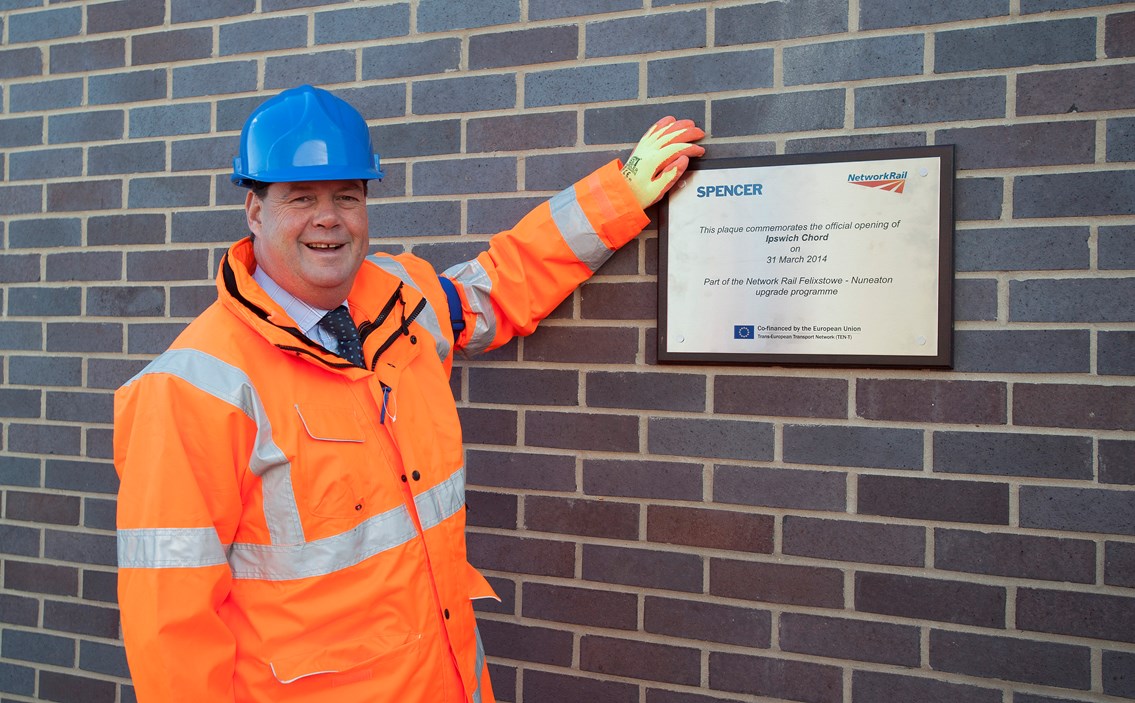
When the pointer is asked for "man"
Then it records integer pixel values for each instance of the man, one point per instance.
(292, 514)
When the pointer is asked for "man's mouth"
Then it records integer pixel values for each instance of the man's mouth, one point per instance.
(322, 246)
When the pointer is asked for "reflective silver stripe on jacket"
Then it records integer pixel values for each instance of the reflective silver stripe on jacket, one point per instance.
(479, 664)
(227, 383)
(478, 289)
(169, 548)
(428, 317)
(577, 231)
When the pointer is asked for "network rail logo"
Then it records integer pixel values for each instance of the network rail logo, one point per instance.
(892, 181)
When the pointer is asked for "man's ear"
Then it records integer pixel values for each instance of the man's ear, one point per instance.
(253, 207)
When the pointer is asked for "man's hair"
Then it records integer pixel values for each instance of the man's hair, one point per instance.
(260, 189)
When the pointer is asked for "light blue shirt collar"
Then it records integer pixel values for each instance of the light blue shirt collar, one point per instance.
(306, 316)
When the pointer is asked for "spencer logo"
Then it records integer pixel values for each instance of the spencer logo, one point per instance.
(892, 181)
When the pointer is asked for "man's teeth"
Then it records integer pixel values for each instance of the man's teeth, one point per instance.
(324, 246)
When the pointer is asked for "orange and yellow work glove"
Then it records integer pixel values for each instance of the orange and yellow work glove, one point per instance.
(661, 158)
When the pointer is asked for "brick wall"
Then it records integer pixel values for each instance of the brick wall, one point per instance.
(658, 534)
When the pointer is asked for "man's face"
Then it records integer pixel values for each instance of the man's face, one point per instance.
(311, 237)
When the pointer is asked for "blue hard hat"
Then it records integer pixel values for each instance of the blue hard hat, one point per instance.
(304, 134)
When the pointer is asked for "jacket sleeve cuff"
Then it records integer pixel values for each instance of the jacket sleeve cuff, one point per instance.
(613, 204)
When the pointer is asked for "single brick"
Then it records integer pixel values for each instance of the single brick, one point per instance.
(1091, 615)
(625, 125)
(523, 47)
(44, 371)
(555, 9)
(200, 154)
(214, 226)
(469, 94)
(934, 499)
(918, 102)
(966, 402)
(175, 265)
(1074, 194)
(170, 46)
(1015, 556)
(1119, 35)
(1078, 509)
(20, 402)
(579, 85)
(45, 95)
(883, 14)
(844, 540)
(1023, 351)
(873, 447)
(646, 568)
(80, 406)
(649, 391)
(804, 111)
(770, 582)
(527, 643)
(448, 15)
(472, 175)
(49, 508)
(60, 687)
(492, 215)
(646, 33)
(877, 687)
(131, 87)
(721, 439)
(1075, 90)
(619, 301)
(100, 514)
(85, 476)
(111, 230)
(22, 541)
(1072, 300)
(125, 14)
(416, 59)
(17, 610)
(548, 686)
(102, 658)
(769, 22)
(20, 268)
(38, 647)
(44, 302)
(44, 233)
(518, 555)
(525, 471)
(100, 586)
(735, 70)
(522, 132)
(710, 528)
(45, 24)
(126, 301)
(21, 680)
(84, 337)
(492, 510)
(87, 126)
(128, 158)
(81, 618)
(362, 24)
(17, 63)
(169, 191)
(1119, 674)
(1043, 144)
(854, 60)
(1034, 6)
(780, 488)
(1015, 454)
(581, 606)
(957, 602)
(1011, 659)
(707, 622)
(272, 34)
(88, 56)
(38, 577)
(1074, 406)
(642, 479)
(775, 678)
(21, 335)
(198, 10)
(978, 198)
(640, 660)
(1121, 139)
(84, 195)
(571, 516)
(599, 432)
(582, 345)
(21, 131)
(190, 301)
(857, 640)
(1015, 44)
(780, 396)
(218, 78)
(80, 547)
(1117, 462)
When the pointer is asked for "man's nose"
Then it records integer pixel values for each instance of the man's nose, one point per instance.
(326, 213)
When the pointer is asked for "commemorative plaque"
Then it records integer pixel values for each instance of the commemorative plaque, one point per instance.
(824, 259)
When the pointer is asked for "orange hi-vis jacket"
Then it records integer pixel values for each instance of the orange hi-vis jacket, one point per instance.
(291, 527)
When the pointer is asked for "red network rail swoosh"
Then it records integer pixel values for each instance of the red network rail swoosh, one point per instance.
(894, 185)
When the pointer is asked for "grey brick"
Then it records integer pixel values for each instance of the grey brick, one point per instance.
(1022, 249)
(1094, 615)
(45, 24)
(100, 514)
(125, 14)
(520, 470)
(55, 686)
(555, 9)
(577, 345)
(21, 131)
(590, 518)
(43, 371)
(362, 24)
(18, 200)
(19, 268)
(1015, 556)
(957, 602)
(101, 658)
(711, 72)
(523, 386)
(88, 56)
(1075, 90)
(882, 14)
(45, 233)
(80, 406)
(640, 660)
(1117, 674)
(418, 219)
(874, 447)
(976, 402)
(175, 265)
(707, 622)
(152, 338)
(1011, 659)
(38, 577)
(45, 163)
(19, 402)
(1074, 194)
(191, 301)
(133, 87)
(128, 158)
(626, 125)
(646, 568)
(17, 610)
(125, 301)
(47, 508)
(876, 687)
(780, 396)
(663, 31)
(523, 47)
(843, 638)
(87, 126)
(780, 488)
(1116, 353)
(171, 46)
(1022, 145)
(547, 686)
(978, 198)
(1094, 407)
(1023, 351)
(16, 63)
(641, 479)
(129, 229)
(857, 59)
(784, 112)
(411, 59)
(844, 540)
(951, 100)
(198, 10)
(771, 582)
(81, 618)
(617, 433)
(1078, 509)
(721, 439)
(169, 191)
(84, 195)
(1121, 139)
(84, 476)
(111, 373)
(448, 15)
(1119, 35)
(219, 226)
(44, 439)
(473, 175)
(270, 34)
(38, 647)
(44, 302)
(1013, 45)
(492, 215)
(769, 22)
(84, 337)
(783, 679)
(80, 548)
(1016, 454)
(1072, 300)
(100, 586)
(1117, 462)
(934, 499)
(522, 555)
(466, 94)
(45, 95)
(649, 391)
(217, 78)
(167, 120)
(20, 335)
(580, 85)
(19, 540)
(1119, 564)
(482, 426)
(522, 132)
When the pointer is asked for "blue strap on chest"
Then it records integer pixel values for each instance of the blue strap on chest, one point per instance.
(456, 319)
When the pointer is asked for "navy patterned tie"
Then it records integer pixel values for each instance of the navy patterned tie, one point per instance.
(338, 322)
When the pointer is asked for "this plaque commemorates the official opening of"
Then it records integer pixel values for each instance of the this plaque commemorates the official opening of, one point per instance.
(824, 259)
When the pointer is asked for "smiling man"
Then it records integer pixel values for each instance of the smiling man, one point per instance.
(291, 513)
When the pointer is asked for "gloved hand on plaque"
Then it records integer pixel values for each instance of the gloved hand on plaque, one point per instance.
(661, 157)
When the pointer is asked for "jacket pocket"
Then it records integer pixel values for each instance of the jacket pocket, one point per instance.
(330, 454)
(344, 657)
